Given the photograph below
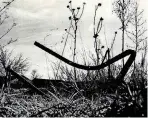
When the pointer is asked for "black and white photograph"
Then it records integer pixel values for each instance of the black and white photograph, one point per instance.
(73, 58)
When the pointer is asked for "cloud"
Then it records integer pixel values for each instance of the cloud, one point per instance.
(35, 18)
(28, 15)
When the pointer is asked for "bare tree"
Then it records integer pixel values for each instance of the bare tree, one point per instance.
(17, 63)
(35, 74)
(137, 31)
(3, 18)
(122, 8)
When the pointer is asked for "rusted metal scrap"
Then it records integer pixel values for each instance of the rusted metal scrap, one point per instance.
(120, 77)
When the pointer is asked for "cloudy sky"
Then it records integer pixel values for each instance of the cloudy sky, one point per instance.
(37, 19)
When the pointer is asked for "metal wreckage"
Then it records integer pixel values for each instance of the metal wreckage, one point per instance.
(118, 80)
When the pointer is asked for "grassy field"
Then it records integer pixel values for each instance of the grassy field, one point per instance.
(26, 103)
(18, 103)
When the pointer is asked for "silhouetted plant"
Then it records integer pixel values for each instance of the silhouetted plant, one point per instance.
(137, 35)
(122, 8)
(76, 14)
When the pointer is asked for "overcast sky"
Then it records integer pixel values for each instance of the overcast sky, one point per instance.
(38, 18)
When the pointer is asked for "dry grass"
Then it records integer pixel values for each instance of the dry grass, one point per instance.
(20, 104)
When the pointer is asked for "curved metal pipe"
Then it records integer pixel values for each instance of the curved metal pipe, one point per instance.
(123, 72)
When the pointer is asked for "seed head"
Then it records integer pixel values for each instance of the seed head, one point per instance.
(102, 46)
(99, 4)
(76, 19)
(14, 24)
(95, 36)
(84, 3)
(69, 17)
(78, 8)
(101, 19)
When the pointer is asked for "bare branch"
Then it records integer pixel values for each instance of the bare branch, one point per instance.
(142, 33)
(8, 4)
(8, 31)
